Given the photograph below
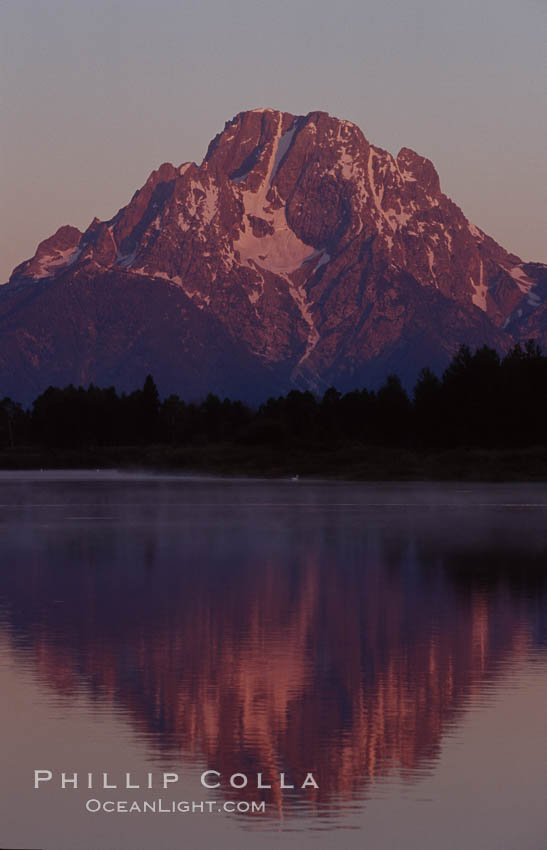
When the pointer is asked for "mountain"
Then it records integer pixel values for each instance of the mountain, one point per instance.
(296, 255)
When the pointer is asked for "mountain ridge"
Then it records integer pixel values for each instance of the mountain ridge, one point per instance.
(312, 256)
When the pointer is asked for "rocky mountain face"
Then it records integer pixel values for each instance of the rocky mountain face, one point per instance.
(296, 255)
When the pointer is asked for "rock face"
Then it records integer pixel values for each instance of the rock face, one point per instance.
(296, 255)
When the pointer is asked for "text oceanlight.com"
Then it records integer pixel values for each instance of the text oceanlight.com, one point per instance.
(174, 807)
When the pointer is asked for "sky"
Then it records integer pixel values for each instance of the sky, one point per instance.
(94, 96)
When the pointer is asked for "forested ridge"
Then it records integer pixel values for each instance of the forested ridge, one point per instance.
(481, 401)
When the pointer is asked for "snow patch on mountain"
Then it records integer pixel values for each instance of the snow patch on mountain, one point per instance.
(474, 231)
(377, 193)
(479, 295)
(126, 260)
(431, 262)
(397, 219)
(50, 264)
(346, 164)
(183, 222)
(242, 178)
(283, 146)
(280, 251)
(198, 298)
(324, 259)
(407, 176)
(164, 276)
(299, 296)
(522, 280)
(209, 204)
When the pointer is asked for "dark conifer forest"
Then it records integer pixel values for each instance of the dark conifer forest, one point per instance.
(481, 402)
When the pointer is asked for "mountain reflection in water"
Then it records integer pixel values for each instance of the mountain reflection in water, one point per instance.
(275, 630)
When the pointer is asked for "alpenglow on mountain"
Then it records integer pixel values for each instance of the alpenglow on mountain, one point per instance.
(297, 255)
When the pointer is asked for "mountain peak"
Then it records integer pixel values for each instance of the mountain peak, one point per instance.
(53, 253)
(320, 256)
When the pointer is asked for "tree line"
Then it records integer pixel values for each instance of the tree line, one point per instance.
(481, 400)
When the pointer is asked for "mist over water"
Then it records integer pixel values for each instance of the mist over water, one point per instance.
(389, 638)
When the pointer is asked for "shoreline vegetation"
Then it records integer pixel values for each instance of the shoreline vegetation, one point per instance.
(485, 419)
(349, 463)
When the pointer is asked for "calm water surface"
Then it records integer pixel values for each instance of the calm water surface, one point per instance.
(390, 639)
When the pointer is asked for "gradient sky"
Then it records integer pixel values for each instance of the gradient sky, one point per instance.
(94, 96)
